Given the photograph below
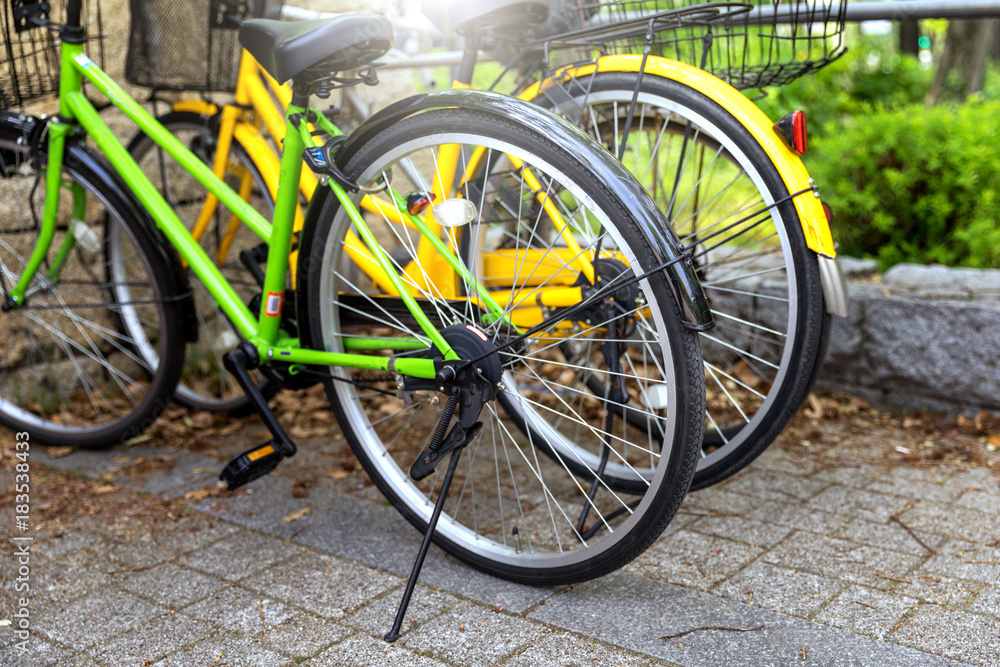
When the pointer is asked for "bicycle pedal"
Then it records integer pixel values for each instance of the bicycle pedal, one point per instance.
(252, 464)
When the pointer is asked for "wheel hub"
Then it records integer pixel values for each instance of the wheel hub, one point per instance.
(469, 343)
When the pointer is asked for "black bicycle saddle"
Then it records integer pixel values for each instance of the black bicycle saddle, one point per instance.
(286, 49)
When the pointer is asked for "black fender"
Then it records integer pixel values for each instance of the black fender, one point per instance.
(667, 248)
(83, 159)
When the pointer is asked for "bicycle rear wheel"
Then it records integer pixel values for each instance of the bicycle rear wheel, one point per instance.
(512, 512)
(205, 384)
(722, 195)
(91, 358)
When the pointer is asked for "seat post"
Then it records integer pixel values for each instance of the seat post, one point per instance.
(469, 58)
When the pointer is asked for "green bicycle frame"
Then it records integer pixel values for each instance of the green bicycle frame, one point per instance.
(264, 332)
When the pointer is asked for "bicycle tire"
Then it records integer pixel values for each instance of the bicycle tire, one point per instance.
(71, 370)
(205, 384)
(760, 361)
(495, 529)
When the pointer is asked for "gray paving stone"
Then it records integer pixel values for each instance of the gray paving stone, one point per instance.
(376, 617)
(932, 488)
(472, 635)
(966, 561)
(953, 521)
(858, 503)
(39, 653)
(322, 584)
(719, 500)
(935, 589)
(264, 506)
(223, 650)
(70, 577)
(789, 463)
(303, 634)
(565, 650)
(788, 591)
(955, 634)
(854, 475)
(775, 486)
(188, 469)
(367, 532)
(843, 559)
(152, 641)
(798, 517)
(452, 575)
(988, 602)
(887, 536)
(694, 560)
(741, 529)
(63, 543)
(239, 611)
(980, 500)
(866, 611)
(635, 613)
(168, 541)
(168, 584)
(96, 617)
(976, 479)
(241, 555)
(81, 660)
(361, 650)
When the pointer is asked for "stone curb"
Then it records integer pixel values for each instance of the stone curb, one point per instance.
(918, 337)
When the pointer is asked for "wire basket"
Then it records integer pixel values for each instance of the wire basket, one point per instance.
(749, 44)
(29, 65)
(189, 44)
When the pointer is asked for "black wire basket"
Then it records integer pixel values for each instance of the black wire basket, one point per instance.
(190, 44)
(749, 44)
(29, 65)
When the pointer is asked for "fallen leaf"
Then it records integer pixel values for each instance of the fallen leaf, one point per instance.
(59, 452)
(200, 494)
(857, 404)
(202, 419)
(815, 409)
(101, 490)
(139, 439)
(993, 440)
(337, 474)
(298, 515)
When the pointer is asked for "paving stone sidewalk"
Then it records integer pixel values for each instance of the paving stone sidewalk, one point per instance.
(820, 559)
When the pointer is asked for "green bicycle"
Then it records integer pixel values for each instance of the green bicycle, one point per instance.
(389, 312)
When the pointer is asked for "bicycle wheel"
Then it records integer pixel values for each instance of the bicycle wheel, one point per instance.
(205, 384)
(722, 195)
(512, 513)
(74, 359)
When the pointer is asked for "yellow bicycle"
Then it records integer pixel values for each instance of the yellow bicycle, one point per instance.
(728, 179)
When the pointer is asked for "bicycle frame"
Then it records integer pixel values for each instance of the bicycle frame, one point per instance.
(264, 331)
(254, 91)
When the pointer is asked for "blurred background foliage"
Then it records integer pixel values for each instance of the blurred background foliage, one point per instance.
(905, 151)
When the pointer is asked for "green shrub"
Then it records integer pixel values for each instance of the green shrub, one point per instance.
(915, 184)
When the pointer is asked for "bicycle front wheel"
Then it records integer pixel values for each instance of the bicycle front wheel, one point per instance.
(92, 355)
(512, 512)
(722, 195)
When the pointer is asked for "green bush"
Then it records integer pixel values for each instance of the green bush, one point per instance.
(914, 184)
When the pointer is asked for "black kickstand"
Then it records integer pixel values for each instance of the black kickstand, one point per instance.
(393, 634)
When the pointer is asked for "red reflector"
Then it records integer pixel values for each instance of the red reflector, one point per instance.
(828, 212)
(792, 130)
(416, 202)
(799, 131)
